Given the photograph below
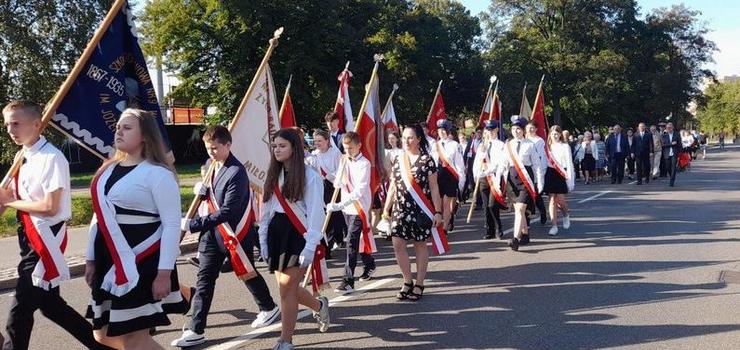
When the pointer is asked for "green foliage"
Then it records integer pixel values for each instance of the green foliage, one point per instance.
(722, 109)
(217, 45)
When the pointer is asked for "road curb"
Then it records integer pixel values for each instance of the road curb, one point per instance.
(77, 267)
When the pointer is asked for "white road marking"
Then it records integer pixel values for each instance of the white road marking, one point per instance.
(594, 196)
(237, 341)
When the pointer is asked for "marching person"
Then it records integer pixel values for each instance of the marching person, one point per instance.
(522, 169)
(671, 141)
(539, 147)
(586, 155)
(355, 204)
(469, 156)
(630, 160)
(487, 159)
(643, 151)
(290, 230)
(450, 171)
(40, 194)
(227, 231)
(657, 157)
(325, 161)
(134, 238)
(416, 205)
(332, 124)
(559, 178)
(617, 149)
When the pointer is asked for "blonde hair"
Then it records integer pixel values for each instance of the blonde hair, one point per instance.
(153, 149)
(31, 108)
(559, 131)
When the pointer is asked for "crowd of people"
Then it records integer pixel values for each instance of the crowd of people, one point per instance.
(314, 202)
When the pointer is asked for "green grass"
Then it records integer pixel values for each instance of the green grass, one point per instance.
(184, 171)
(82, 211)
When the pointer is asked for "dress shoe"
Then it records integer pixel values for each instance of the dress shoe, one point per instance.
(639, 182)
(524, 240)
(514, 244)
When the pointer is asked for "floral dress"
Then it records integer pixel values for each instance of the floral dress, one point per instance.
(405, 208)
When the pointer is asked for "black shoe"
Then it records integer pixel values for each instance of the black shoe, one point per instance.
(367, 274)
(346, 287)
(451, 226)
(647, 180)
(639, 182)
(613, 182)
(194, 261)
(226, 267)
(543, 218)
(619, 182)
(524, 240)
(514, 244)
(500, 234)
(488, 236)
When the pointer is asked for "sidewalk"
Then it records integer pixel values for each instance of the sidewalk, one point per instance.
(75, 254)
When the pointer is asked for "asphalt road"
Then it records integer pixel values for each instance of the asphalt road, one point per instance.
(640, 268)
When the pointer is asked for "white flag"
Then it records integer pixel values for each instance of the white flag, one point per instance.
(389, 119)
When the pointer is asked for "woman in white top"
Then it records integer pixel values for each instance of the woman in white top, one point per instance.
(587, 154)
(293, 194)
(451, 171)
(325, 161)
(134, 237)
(559, 178)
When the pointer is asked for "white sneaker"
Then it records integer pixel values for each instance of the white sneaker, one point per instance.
(553, 231)
(566, 222)
(266, 318)
(322, 317)
(189, 338)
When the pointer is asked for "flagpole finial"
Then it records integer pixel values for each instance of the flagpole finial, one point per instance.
(378, 57)
(493, 79)
(346, 66)
(395, 87)
(276, 35)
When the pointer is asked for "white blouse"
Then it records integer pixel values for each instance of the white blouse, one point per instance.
(529, 157)
(491, 152)
(328, 160)
(451, 150)
(312, 203)
(561, 154)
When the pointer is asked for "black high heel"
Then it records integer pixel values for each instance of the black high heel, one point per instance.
(413, 296)
(404, 294)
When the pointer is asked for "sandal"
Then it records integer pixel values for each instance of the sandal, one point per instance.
(404, 294)
(416, 296)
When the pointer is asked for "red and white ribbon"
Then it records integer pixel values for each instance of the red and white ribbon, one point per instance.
(52, 269)
(555, 164)
(232, 238)
(367, 241)
(446, 162)
(439, 239)
(123, 275)
(298, 217)
(497, 194)
(523, 174)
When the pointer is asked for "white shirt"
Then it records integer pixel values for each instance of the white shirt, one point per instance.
(451, 150)
(561, 154)
(358, 173)
(473, 147)
(528, 156)
(328, 161)
(491, 152)
(153, 189)
(539, 147)
(670, 140)
(312, 203)
(390, 157)
(45, 171)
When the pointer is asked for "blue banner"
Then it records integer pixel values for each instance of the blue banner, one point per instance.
(114, 78)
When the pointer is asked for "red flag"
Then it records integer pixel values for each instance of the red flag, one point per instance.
(485, 114)
(287, 116)
(367, 127)
(437, 111)
(389, 113)
(343, 106)
(538, 113)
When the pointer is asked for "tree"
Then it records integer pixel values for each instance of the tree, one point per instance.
(722, 109)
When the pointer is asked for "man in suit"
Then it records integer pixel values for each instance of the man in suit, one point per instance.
(229, 187)
(332, 123)
(671, 147)
(469, 156)
(642, 151)
(617, 149)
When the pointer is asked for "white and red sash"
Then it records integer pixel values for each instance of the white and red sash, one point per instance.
(439, 239)
(243, 269)
(123, 275)
(555, 164)
(446, 162)
(297, 216)
(497, 194)
(52, 269)
(523, 174)
(367, 241)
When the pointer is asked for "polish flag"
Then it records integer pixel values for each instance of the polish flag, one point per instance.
(437, 111)
(368, 125)
(389, 119)
(343, 106)
(538, 114)
(287, 115)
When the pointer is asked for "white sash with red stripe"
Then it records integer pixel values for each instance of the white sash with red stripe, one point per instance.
(446, 162)
(243, 269)
(496, 190)
(367, 241)
(297, 216)
(123, 275)
(555, 164)
(439, 239)
(52, 269)
(523, 174)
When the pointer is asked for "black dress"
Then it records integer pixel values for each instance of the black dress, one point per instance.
(554, 182)
(405, 208)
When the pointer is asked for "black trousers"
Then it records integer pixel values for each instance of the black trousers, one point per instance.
(671, 165)
(29, 298)
(337, 229)
(644, 167)
(211, 258)
(616, 166)
(493, 215)
(354, 230)
(630, 165)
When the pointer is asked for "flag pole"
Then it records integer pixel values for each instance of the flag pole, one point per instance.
(490, 114)
(434, 101)
(536, 100)
(285, 97)
(388, 103)
(51, 107)
(252, 85)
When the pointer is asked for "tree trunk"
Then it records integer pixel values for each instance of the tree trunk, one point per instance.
(557, 118)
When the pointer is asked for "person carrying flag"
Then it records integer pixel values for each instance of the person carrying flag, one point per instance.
(487, 160)
(325, 161)
(539, 147)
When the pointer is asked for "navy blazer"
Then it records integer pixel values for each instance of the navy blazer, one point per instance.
(611, 145)
(667, 144)
(642, 146)
(231, 191)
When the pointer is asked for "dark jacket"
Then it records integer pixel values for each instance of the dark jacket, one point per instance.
(667, 143)
(611, 145)
(642, 146)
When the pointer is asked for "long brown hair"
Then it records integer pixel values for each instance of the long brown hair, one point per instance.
(153, 150)
(295, 180)
(554, 128)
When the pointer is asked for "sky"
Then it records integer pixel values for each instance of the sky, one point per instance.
(720, 16)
